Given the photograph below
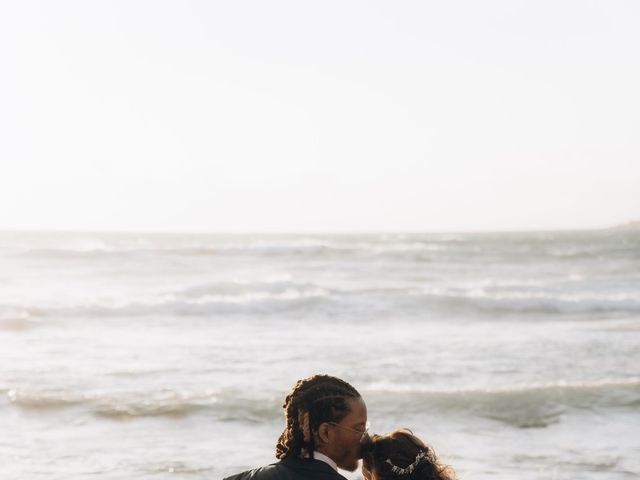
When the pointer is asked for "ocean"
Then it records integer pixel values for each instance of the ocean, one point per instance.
(168, 356)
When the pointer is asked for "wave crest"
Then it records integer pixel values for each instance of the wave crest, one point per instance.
(532, 406)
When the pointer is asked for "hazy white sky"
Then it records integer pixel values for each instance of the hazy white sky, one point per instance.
(324, 116)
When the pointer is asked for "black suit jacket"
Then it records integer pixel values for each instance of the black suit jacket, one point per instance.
(291, 469)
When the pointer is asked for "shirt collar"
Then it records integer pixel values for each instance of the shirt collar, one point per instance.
(323, 458)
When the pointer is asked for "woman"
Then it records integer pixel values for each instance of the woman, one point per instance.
(402, 454)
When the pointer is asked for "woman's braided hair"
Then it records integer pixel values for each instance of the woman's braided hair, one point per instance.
(312, 401)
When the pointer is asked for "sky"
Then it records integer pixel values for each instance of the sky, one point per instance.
(329, 117)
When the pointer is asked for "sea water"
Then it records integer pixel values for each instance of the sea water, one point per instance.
(516, 355)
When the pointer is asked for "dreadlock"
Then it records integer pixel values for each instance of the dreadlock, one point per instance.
(312, 401)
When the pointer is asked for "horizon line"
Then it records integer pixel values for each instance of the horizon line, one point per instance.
(627, 225)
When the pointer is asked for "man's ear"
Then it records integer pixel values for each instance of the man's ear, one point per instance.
(323, 433)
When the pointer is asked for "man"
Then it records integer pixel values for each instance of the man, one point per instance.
(325, 429)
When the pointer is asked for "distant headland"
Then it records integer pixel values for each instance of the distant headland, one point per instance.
(632, 225)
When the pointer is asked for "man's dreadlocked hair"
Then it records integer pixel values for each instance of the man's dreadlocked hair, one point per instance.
(312, 401)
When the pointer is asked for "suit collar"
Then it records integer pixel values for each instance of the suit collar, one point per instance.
(311, 464)
(322, 457)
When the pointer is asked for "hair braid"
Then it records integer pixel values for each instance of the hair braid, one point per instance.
(311, 401)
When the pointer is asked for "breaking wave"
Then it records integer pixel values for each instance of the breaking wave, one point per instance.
(533, 406)
(201, 300)
(293, 248)
(225, 406)
(14, 319)
(532, 302)
(265, 298)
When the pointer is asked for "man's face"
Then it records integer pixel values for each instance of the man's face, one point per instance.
(347, 437)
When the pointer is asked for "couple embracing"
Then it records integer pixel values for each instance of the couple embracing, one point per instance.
(326, 428)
